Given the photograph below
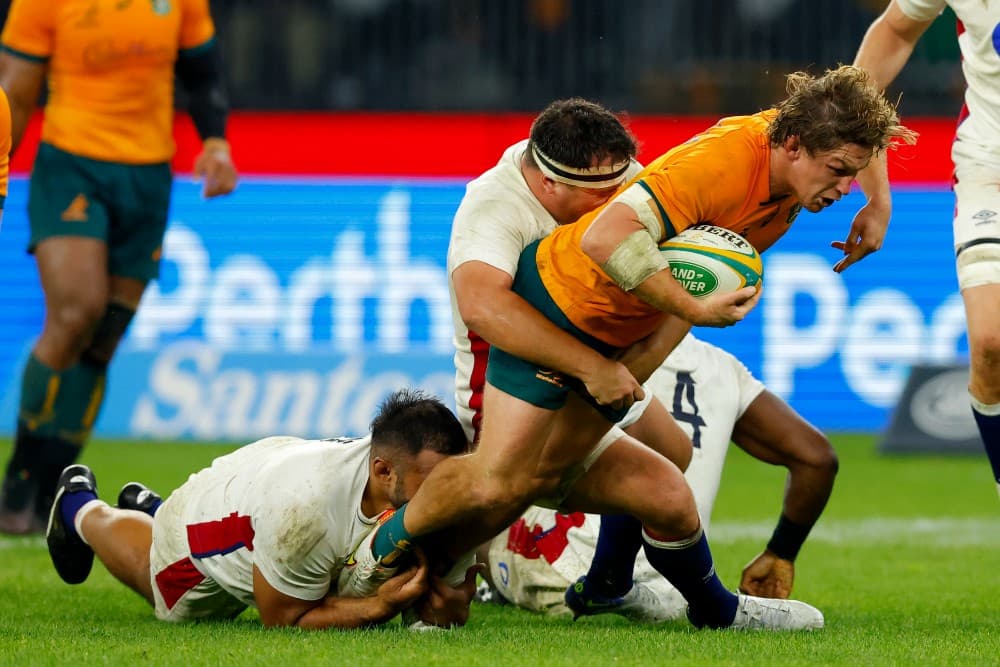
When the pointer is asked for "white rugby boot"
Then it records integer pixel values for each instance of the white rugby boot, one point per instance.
(756, 613)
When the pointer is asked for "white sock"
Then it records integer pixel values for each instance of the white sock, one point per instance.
(85, 509)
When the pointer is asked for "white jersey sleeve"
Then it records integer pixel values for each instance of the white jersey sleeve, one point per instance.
(922, 10)
(498, 217)
(978, 135)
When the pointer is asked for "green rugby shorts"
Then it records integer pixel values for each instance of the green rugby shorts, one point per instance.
(122, 204)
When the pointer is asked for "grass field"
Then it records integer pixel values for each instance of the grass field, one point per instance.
(905, 563)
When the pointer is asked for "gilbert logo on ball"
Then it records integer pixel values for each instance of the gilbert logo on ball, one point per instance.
(706, 259)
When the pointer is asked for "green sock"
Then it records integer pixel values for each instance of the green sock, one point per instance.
(39, 389)
(79, 401)
(392, 540)
(57, 412)
(40, 386)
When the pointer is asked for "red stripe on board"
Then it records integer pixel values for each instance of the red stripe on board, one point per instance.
(213, 538)
(451, 145)
(177, 579)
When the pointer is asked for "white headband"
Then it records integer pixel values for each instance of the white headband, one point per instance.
(594, 178)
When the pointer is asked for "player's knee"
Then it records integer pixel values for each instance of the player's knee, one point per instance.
(667, 509)
(679, 519)
(985, 345)
(75, 318)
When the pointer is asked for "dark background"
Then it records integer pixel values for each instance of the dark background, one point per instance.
(645, 56)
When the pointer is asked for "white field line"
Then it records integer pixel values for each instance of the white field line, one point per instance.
(11, 542)
(938, 531)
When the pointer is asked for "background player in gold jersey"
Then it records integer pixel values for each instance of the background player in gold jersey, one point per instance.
(4, 148)
(98, 201)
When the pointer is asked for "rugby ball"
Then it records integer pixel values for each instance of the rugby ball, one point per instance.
(706, 259)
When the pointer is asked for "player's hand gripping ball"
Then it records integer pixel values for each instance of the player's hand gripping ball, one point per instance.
(706, 259)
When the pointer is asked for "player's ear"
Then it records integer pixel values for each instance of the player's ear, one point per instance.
(792, 145)
(382, 470)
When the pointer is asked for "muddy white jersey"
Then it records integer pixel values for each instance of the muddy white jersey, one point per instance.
(497, 219)
(291, 507)
(979, 26)
(706, 390)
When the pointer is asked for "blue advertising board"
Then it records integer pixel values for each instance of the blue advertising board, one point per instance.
(294, 306)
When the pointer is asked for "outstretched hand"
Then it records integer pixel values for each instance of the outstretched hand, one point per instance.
(214, 166)
(865, 236)
(768, 576)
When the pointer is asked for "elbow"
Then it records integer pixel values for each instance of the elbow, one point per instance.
(479, 314)
(822, 457)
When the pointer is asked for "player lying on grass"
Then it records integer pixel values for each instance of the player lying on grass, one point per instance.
(715, 399)
(270, 525)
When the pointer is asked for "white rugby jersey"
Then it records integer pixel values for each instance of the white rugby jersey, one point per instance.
(291, 507)
(497, 219)
(979, 40)
(706, 390)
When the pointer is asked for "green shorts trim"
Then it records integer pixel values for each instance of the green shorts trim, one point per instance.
(539, 386)
(124, 205)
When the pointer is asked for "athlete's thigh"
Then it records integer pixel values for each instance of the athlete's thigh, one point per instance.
(576, 430)
(538, 453)
(73, 272)
(631, 478)
(982, 308)
(657, 429)
(513, 434)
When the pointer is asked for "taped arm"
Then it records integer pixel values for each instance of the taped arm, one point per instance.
(624, 245)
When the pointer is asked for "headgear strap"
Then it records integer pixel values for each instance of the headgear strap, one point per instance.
(594, 178)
